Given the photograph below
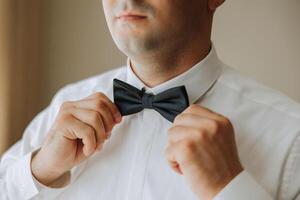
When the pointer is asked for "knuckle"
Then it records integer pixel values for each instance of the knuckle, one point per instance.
(66, 104)
(99, 104)
(89, 132)
(182, 116)
(187, 146)
(200, 131)
(193, 106)
(171, 130)
(64, 117)
(99, 94)
(178, 118)
(201, 134)
(214, 125)
(188, 116)
(226, 121)
(96, 117)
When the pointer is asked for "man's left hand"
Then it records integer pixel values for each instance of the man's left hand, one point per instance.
(201, 147)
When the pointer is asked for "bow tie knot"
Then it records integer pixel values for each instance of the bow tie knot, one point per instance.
(130, 100)
(147, 99)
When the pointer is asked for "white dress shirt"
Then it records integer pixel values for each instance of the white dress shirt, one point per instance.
(132, 165)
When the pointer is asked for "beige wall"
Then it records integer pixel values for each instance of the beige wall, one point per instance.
(26, 81)
(260, 38)
(20, 68)
(77, 43)
(5, 64)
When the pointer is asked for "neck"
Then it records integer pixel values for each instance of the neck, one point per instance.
(155, 70)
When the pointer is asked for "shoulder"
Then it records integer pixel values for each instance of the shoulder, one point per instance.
(99, 83)
(252, 91)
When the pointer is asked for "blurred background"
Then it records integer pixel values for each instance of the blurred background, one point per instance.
(47, 44)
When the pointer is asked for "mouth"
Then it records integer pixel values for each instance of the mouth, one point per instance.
(131, 16)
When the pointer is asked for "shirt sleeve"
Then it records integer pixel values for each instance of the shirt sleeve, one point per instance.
(243, 186)
(290, 186)
(15, 173)
(16, 179)
(51, 192)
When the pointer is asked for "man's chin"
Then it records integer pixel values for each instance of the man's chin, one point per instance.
(130, 33)
(134, 48)
(137, 44)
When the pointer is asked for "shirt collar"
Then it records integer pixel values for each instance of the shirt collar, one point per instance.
(197, 80)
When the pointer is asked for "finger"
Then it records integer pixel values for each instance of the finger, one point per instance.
(202, 111)
(170, 156)
(179, 133)
(196, 121)
(100, 107)
(108, 119)
(113, 108)
(93, 119)
(80, 130)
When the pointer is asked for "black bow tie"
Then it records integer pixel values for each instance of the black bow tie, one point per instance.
(130, 100)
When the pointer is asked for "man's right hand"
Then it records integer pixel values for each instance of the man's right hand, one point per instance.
(80, 129)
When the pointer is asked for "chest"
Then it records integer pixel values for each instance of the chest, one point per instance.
(132, 165)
